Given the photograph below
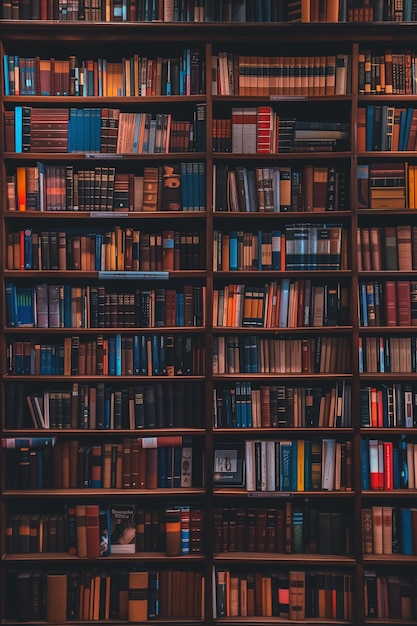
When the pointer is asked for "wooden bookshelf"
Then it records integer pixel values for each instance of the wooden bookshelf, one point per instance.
(241, 349)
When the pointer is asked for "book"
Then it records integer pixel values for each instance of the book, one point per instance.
(122, 529)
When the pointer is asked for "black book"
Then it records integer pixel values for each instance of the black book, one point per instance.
(159, 406)
(150, 406)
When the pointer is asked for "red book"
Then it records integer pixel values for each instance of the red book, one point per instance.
(93, 537)
(158, 442)
(388, 478)
(390, 301)
(403, 303)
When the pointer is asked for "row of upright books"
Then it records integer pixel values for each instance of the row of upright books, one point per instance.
(279, 188)
(383, 127)
(388, 529)
(123, 465)
(388, 303)
(102, 130)
(247, 405)
(120, 249)
(389, 248)
(286, 528)
(100, 406)
(294, 594)
(262, 130)
(120, 594)
(392, 405)
(264, 11)
(298, 465)
(378, 354)
(281, 304)
(388, 72)
(390, 596)
(133, 76)
(299, 246)
(280, 75)
(117, 355)
(173, 530)
(64, 306)
(45, 187)
(252, 354)
(388, 465)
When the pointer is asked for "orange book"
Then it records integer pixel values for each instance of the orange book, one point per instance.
(21, 188)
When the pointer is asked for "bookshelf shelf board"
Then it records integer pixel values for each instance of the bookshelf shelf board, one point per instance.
(104, 493)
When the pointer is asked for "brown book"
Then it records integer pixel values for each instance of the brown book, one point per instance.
(150, 189)
(56, 597)
(151, 479)
(404, 246)
(92, 530)
(138, 597)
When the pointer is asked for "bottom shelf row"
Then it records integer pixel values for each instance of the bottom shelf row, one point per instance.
(138, 595)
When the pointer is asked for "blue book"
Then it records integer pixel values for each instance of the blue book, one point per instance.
(67, 306)
(238, 404)
(135, 146)
(369, 127)
(118, 354)
(283, 305)
(407, 11)
(6, 75)
(248, 405)
(365, 464)
(403, 122)
(196, 179)
(136, 355)
(364, 307)
(162, 355)
(276, 249)
(285, 465)
(190, 186)
(180, 309)
(201, 206)
(143, 355)
(18, 118)
(98, 251)
(406, 534)
(403, 467)
(155, 355)
(253, 354)
(184, 189)
(162, 468)
(396, 468)
(11, 305)
(294, 462)
(407, 126)
(233, 251)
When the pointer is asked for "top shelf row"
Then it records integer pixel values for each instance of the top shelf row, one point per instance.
(259, 11)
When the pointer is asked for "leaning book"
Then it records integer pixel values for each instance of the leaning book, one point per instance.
(122, 529)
